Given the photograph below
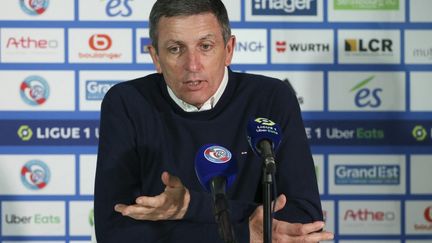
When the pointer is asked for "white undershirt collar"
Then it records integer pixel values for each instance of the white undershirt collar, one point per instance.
(209, 104)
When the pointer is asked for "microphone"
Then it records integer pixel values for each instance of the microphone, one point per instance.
(263, 136)
(216, 169)
(264, 139)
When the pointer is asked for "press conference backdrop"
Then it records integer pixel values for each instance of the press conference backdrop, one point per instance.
(362, 71)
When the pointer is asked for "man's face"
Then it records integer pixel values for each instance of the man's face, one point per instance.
(192, 56)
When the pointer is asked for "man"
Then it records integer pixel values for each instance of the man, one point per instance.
(152, 127)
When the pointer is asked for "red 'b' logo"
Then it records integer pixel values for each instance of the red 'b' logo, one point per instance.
(428, 214)
(100, 42)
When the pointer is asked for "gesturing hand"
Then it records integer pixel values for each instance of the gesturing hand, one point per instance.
(284, 232)
(169, 205)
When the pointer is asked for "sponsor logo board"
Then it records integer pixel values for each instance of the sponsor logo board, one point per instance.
(369, 241)
(250, 46)
(368, 133)
(50, 132)
(418, 217)
(233, 9)
(419, 133)
(421, 181)
(372, 217)
(418, 46)
(32, 45)
(142, 42)
(81, 218)
(366, 5)
(37, 90)
(369, 46)
(366, 174)
(34, 7)
(366, 91)
(115, 10)
(34, 90)
(419, 11)
(420, 86)
(301, 46)
(38, 241)
(285, 10)
(37, 10)
(308, 86)
(87, 173)
(33, 218)
(37, 174)
(366, 11)
(95, 84)
(319, 171)
(100, 45)
(328, 209)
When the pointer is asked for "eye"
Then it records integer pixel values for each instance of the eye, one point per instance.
(174, 49)
(206, 47)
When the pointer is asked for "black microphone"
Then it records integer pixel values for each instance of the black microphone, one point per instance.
(264, 139)
(263, 136)
(216, 169)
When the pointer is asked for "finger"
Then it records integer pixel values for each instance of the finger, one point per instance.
(298, 229)
(170, 180)
(151, 202)
(316, 237)
(165, 178)
(280, 202)
(120, 208)
(126, 210)
(138, 212)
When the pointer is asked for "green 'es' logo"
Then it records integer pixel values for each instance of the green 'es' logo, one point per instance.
(25, 132)
(366, 5)
(419, 133)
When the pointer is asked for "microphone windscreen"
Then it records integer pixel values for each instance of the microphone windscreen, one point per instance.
(259, 129)
(212, 161)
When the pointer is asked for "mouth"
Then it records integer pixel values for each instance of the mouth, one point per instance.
(194, 84)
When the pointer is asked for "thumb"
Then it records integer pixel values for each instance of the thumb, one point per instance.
(280, 202)
(170, 180)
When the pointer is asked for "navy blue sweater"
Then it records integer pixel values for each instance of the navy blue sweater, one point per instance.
(143, 133)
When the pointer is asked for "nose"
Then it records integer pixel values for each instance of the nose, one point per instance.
(192, 61)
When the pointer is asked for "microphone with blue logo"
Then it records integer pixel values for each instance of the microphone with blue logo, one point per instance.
(264, 138)
(216, 169)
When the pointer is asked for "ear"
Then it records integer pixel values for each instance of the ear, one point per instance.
(155, 58)
(229, 50)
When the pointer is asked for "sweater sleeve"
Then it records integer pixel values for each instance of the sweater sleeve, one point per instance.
(295, 176)
(117, 178)
(119, 170)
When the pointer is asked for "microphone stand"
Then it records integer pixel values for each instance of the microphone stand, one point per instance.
(221, 211)
(267, 182)
(269, 169)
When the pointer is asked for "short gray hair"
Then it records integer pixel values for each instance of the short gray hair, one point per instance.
(172, 8)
